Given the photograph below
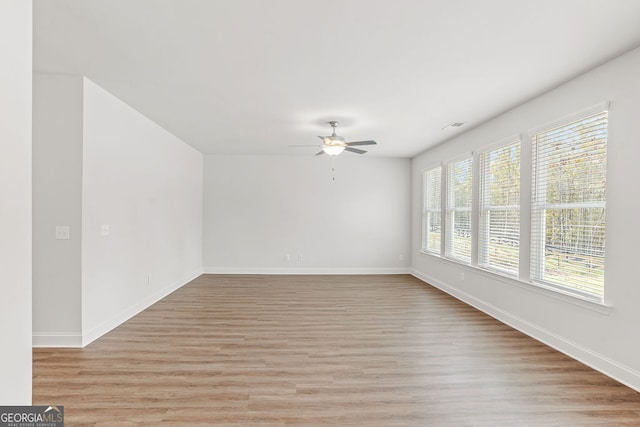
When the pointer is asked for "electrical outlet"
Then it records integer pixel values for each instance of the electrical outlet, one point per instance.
(300, 258)
(462, 276)
(287, 257)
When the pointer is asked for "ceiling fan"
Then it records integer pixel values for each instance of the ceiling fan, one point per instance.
(335, 144)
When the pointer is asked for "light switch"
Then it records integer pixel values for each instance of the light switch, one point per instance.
(104, 230)
(63, 232)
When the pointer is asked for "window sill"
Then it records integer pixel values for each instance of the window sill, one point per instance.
(537, 288)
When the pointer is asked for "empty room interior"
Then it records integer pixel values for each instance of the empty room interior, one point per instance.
(278, 213)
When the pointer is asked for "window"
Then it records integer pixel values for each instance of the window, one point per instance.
(458, 225)
(432, 227)
(568, 206)
(499, 234)
(473, 212)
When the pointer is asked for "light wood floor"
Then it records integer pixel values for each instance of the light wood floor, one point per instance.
(322, 350)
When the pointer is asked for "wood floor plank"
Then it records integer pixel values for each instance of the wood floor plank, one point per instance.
(323, 350)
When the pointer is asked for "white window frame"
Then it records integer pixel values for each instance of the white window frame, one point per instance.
(451, 209)
(427, 210)
(485, 209)
(539, 206)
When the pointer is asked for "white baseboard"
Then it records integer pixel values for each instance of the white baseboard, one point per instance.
(618, 371)
(115, 321)
(267, 270)
(57, 339)
(79, 340)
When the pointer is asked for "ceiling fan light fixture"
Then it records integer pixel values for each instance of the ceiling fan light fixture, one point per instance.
(334, 145)
(333, 150)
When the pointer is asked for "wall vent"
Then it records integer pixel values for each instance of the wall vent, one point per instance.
(455, 125)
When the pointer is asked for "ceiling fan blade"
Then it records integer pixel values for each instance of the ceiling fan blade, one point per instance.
(354, 150)
(369, 142)
(321, 152)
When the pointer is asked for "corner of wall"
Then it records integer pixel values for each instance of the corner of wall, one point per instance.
(88, 336)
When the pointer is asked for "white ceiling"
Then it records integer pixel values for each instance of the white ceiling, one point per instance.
(255, 76)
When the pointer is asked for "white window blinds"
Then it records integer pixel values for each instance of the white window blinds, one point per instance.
(458, 226)
(568, 206)
(499, 234)
(432, 226)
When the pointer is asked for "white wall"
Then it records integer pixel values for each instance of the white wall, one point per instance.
(15, 202)
(259, 208)
(606, 339)
(146, 184)
(57, 200)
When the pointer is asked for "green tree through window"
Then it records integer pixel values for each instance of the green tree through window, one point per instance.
(499, 237)
(568, 205)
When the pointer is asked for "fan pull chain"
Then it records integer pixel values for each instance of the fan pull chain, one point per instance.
(333, 168)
